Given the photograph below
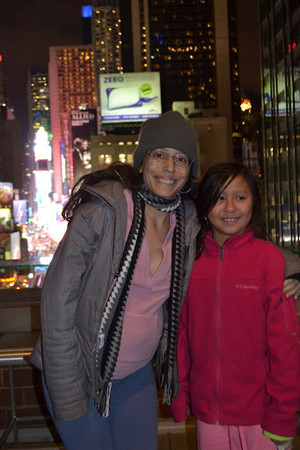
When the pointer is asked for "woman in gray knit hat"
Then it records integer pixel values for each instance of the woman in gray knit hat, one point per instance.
(113, 292)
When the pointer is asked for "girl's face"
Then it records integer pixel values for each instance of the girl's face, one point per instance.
(163, 174)
(233, 210)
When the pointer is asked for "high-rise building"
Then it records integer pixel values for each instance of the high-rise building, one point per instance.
(4, 97)
(38, 101)
(194, 47)
(178, 39)
(106, 36)
(11, 169)
(86, 23)
(280, 61)
(11, 152)
(39, 117)
(72, 86)
(234, 77)
(191, 43)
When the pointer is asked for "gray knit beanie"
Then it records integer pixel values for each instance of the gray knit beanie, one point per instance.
(169, 130)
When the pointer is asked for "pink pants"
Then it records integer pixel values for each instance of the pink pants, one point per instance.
(224, 437)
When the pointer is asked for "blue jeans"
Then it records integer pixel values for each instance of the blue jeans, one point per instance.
(132, 421)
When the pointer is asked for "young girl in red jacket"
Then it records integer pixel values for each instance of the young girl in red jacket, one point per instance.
(238, 346)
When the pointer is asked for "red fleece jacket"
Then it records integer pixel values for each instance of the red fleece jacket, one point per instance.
(239, 345)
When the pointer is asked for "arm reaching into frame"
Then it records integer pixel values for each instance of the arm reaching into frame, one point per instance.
(291, 286)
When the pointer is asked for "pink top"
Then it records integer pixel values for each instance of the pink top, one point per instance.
(143, 320)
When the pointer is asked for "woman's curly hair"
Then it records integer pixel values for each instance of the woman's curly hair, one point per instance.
(117, 171)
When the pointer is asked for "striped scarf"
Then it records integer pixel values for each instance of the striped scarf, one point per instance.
(110, 332)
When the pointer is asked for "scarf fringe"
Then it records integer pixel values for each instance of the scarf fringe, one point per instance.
(170, 384)
(103, 399)
(167, 374)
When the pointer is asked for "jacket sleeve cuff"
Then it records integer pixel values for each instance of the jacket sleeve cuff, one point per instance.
(179, 414)
(277, 438)
(294, 276)
(179, 418)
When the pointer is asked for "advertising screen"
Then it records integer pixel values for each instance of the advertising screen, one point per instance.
(6, 221)
(129, 97)
(10, 245)
(20, 211)
(6, 194)
(83, 124)
(281, 107)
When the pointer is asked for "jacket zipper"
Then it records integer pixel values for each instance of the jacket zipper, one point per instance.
(218, 306)
(99, 343)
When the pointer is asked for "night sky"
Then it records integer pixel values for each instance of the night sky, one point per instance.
(29, 27)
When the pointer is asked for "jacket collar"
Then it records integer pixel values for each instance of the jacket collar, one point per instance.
(109, 191)
(230, 245)
(112, 192)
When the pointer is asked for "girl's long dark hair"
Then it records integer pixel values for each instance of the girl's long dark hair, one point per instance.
(117, 171)
(214, 181)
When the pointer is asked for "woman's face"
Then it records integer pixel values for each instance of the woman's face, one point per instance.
(233, 210)
(163, 174)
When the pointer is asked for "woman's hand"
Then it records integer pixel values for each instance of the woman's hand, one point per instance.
(291, 287)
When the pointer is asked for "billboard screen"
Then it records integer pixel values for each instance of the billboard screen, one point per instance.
(10, 245)
(20, 211)
(281, 107)
(129, 97)
(83, 124)
(6, 194)
(6, 220)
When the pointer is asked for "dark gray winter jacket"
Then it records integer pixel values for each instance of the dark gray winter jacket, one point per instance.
(74, 293)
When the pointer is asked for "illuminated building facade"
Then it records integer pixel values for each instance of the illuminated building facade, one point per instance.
(106, 36)
(39, 102)
(193, 45)
(178, 40)
(72, 86)
(280, 74)
(43, 173)
(39, 116)
(106, 149)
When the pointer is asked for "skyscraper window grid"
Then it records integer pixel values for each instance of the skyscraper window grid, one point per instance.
(72, 83)
(183, 50)
(280, 57)
(107, 39)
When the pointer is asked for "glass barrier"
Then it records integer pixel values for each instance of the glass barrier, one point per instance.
(23, 274)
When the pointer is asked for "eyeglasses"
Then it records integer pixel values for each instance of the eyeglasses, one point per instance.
(162, 157)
